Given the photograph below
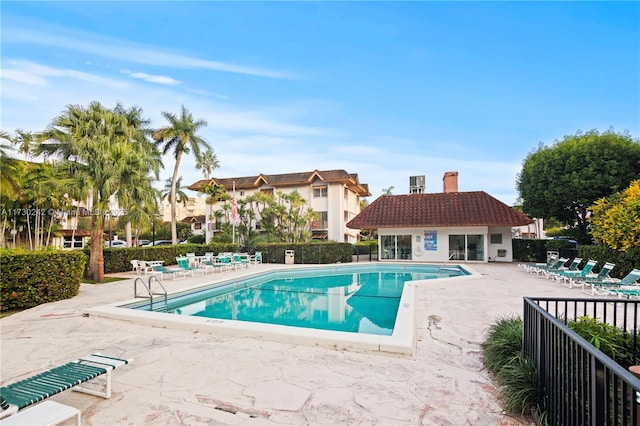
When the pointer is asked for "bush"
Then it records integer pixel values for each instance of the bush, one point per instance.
(314, 252)
(611, 340)
(517, 376)
(503, 343)
(31, 278)
(625, 261)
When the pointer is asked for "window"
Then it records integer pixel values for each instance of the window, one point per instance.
(320, 192)
(466, 247)
(395, 246)
(76, 243)
(242, 193)
(346, 193)
(346, 216)
(268, 191)
(323, 220)
(496, 238)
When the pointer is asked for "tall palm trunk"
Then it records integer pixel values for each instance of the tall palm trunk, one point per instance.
(97, 253)
(4, 226)
(29, 232)
(174, 178)
(73, 231)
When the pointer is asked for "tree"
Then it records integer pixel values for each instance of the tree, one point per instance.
(181, 196)
(388, 191)
(562, 181)
(179, 136)
(615, 220)
(9, 170)
(100, 148)
(208, 162)
(25, 141)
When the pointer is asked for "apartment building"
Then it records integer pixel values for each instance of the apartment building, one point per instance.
(334, 194)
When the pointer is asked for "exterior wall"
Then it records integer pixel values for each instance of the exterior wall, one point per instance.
(196, 206)
(496, 250)
(437, 249)
(533, 230)
(335, 204)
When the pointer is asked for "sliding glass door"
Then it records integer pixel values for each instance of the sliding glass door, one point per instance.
(397, 247)
(466, 247)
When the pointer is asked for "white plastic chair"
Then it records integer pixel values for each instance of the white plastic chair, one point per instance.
(135, 267)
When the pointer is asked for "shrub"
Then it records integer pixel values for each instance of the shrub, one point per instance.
(30, 278)
(517, 376)
(610, 340)
(503, 343)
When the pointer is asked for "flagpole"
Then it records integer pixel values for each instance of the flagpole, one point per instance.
(233, 220)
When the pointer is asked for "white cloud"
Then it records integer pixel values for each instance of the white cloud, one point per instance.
(127, 51)
(159, 79)
(39, 75)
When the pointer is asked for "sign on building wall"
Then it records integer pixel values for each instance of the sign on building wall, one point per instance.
(431, 240)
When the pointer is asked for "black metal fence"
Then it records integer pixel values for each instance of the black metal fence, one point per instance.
(577, 383)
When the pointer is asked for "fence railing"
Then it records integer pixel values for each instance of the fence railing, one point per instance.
(577, 383)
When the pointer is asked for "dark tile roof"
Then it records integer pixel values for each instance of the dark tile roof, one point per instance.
(288, 179)
(437, 209)
(194, 219)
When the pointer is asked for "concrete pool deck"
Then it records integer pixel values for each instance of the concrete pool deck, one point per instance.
(204, 378)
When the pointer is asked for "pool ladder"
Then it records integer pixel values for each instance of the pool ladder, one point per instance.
(150, 293)
(446, 262)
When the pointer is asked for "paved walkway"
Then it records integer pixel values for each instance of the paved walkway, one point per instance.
(199, 378)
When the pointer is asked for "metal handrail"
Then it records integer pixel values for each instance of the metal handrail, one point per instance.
(150, 293)
(446, 262)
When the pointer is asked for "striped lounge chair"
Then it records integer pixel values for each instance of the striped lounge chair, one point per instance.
(72, 375)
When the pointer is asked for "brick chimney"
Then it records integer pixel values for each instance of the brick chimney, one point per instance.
(450, 182)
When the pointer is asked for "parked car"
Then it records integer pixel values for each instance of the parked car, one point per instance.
(143, 243)
(116, 244)
(160, 243)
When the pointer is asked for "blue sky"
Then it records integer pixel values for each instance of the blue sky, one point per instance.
(386, 90)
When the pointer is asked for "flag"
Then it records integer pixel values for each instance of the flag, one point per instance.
(235, 218)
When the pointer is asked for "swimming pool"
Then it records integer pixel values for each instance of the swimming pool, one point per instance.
(368, 307)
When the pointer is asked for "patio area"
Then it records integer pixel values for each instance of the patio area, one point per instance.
(202, 378)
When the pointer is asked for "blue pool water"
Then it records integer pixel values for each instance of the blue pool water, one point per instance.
(349, 299)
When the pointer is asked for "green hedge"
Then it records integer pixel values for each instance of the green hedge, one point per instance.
(314, 252)
(119, 259)
(31, 278)
(625, 261)
(529, 250)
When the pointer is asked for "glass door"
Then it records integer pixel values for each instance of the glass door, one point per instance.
(456, 247)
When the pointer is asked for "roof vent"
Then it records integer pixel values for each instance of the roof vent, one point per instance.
(416, 184)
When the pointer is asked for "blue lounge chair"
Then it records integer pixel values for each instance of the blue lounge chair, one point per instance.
(256, 258)
(569, 276)
(183, 263)
(573, 266)
(174, 272)
(557, 264)
(622, 287)
(600, 280)
(530, 267)
(72, 375)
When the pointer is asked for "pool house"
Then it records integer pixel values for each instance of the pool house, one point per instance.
(438, 227)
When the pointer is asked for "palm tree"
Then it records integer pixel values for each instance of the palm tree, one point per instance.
(100, 148)
(10, 170)
(388, 191)
(208, 162)
(180, 137)
(139, 200)
(181, 196)
(25, 141)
